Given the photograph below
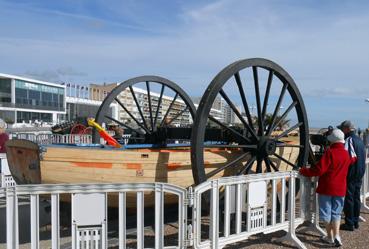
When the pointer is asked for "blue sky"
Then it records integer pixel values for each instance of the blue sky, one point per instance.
(322, 44)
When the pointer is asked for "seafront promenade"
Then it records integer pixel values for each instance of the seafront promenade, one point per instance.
(356, 239)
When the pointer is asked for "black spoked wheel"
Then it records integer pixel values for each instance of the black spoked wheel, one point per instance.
(148, 106)
(269, 131)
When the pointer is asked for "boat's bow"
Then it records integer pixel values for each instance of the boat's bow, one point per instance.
(24, 161)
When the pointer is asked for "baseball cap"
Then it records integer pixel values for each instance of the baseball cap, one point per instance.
(336, 136)
(346, 124)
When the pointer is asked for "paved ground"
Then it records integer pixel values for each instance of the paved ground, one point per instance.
(357, 239)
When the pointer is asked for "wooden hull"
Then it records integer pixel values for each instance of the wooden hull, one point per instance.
(73, 164)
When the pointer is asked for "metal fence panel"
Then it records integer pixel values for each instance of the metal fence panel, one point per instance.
(250, 192)
(89, 229)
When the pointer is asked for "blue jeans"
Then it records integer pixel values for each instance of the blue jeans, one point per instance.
(352, 202)
(330, 208)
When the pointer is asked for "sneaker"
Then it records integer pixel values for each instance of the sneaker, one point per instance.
(337, 242)
(347, 227)
(327, 239)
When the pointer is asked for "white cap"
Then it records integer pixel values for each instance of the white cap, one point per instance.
(2, 124)
(337, 136)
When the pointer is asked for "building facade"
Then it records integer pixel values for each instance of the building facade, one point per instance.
(24, 100)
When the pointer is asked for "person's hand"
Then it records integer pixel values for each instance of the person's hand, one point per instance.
(302, 170)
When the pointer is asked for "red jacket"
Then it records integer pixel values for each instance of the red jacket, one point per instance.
(332, 171)
(3, 138)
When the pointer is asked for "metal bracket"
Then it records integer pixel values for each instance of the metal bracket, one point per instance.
(188, 201)
(188, 242)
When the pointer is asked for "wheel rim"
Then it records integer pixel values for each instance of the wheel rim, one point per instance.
(147, 126)
(257, 140)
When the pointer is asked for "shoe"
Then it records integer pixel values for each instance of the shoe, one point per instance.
(327, 239)
(347, 227)
(337, 242)
(356, 225)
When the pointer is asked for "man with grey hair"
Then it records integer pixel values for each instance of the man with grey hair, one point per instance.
(355, 146)
(3, 136)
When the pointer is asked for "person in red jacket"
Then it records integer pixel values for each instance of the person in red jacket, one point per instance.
(3, 136)
(332, 171)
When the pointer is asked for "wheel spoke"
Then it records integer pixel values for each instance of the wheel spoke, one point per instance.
(130, 114)
(270, 163)
(170, 107)
(267, 92)
(243, 97)
(285, 160)
(150, 108)
(159, 104)
(284, 115)
(238, 114)
(269, 169)
(124, 125)
(229, 128)
(249, 146)
(259, 165)
(258, 104)
(248, 166)
(138, 107)
(216, 171)
(288, 131)
(177, 115)
(276, 110)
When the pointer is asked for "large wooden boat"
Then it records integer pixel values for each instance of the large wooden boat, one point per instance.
(70, 163)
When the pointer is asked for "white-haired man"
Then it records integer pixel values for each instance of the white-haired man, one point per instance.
(355, 146)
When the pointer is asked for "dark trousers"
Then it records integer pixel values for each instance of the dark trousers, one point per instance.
(352, 202)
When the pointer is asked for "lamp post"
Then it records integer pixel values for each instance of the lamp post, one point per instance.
(367, 100)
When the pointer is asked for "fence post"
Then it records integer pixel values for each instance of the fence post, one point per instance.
(291, 235)
(214, 214)
(365, 185)
(159, 216)
(55, 222)
(122, 220)
(12, 241)
(312, 206)
(140, 220)
(35, 221)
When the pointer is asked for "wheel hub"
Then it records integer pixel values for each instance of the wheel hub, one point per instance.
(267, 146)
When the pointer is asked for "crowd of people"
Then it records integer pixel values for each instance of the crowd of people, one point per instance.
(340, 170)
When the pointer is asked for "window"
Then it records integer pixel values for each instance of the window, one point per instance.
(39, 96)
(5, 90)
(33, 116)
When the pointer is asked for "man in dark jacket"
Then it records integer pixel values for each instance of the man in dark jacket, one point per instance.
(356, 148)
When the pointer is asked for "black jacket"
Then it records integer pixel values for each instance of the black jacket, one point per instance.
(357, 170)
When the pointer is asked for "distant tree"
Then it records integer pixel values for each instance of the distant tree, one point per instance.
(282, 124)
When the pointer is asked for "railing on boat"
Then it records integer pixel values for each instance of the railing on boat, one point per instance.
(61, 139)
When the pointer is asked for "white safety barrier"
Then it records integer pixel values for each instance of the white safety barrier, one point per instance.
(239, 207)
(61, 139)
(5, 175)
(89, 209)
(256, 198)
(365, 184)
(76, 139)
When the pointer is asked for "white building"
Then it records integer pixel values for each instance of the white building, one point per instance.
(27, 100)
(142, 98)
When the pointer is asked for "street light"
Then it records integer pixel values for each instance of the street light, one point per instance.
(367, 100)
